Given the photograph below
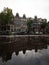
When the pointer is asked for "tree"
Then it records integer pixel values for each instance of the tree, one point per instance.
(47, 28)
(29, 22)
(6, 16)
(43, 25)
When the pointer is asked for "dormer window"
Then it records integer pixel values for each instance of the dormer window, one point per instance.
(17, 15)
(24, 16)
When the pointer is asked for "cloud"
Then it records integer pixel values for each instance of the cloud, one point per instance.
(29, 7)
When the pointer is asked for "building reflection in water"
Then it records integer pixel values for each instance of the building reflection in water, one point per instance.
(20, 44)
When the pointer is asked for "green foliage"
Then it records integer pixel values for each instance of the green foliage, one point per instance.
(6, 16)
(43, 25)
(29, 22)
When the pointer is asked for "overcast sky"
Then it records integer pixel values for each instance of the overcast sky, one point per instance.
(28, 7)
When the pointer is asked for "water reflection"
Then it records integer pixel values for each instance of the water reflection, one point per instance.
(21, 44)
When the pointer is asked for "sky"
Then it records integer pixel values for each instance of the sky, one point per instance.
(40, 8)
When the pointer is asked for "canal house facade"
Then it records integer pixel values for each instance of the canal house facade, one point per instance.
(20, 24)
(36, 26)
(6, 29)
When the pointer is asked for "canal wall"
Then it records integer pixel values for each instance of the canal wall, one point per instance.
(25, 39)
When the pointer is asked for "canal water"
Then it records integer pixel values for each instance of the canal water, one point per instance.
(24, 51)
